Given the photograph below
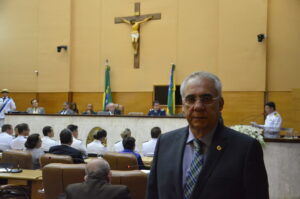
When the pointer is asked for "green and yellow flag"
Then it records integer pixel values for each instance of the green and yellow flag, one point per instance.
(107, 97)
(171, 93)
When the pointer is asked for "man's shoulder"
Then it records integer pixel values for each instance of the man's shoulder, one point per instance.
(236, 136)
(176, 132)
(116, 188)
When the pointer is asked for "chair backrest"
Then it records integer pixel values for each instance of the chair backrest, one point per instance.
(21, 159)
(121, 161)
(56, 177)
(52, 158)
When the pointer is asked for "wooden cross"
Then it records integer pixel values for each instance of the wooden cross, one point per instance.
(135, 22)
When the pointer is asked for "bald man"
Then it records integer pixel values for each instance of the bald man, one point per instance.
(97, 184)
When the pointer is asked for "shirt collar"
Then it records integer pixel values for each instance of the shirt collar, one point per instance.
(206, 139)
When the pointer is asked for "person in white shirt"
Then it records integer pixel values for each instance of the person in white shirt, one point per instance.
(7, 104)
(273, 121)
(6, 137)
(118, 147)
(33, 145)
(96, 147)
(19, 141)
(77, 144)
(149, 147)
(47, 141)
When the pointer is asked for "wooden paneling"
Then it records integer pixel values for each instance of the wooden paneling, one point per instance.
(243, 107)
(134, 101)
(52, 102)
(23, 100)
(296, 109)
(84, 98)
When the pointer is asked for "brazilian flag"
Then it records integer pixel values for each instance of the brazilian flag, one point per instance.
(107, 97)
(171, 93)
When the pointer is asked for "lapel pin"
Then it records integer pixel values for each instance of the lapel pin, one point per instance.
(219, 148)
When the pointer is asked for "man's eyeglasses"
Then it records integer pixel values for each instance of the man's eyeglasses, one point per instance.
(204, 99)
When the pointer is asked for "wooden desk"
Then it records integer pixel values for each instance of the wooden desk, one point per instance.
(27, 177)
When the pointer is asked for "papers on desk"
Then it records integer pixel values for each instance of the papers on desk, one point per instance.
(3, 170)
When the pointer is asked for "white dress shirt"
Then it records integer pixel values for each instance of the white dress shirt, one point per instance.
(118, 147)
(18, 143)
(272, 125)
(96, 147)
(149, 147)
(10, 106)
(47, 143)
(78, 144)
(5, 141)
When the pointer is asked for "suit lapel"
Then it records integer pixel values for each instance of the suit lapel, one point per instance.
(215, 152)
(180, 140)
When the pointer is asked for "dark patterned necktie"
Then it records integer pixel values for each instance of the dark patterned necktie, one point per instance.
(194, 170)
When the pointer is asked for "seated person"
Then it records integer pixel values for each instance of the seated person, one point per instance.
(47, 140)
(96, 147)
(129, 145)
(6, 137)
(65, 148)
(156, 111)
(33, 145)
(77, 144)
(35, 109)
(19, 141)
(74, 108)
(89, 110)
(111, 109)
(273, 121)
(66, 109)
(149, 147)
(118, 147)
(97, 184)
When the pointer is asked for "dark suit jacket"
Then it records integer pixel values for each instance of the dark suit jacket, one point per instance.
(67, 150)
(235, 171)
(96, 189)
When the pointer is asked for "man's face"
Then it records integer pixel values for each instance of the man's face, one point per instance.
(156, 106)
(111, 108)
(89, 107)
(10, 131)
(75, 133)
(66, 106)
(5, 94)
(35, 103)
(268, 109)
(201, 116)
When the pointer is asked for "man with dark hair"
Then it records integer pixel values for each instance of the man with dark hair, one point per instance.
(19, 141)
(148, 147)
(156, 110)
(7, 104)
(273, 121)
(6, 137)
(77, 144)
(47, 141)
(129, 145)
(65, 148)
(206, 160)
(97, 184)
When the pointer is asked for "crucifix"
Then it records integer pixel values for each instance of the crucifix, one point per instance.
(135, 22)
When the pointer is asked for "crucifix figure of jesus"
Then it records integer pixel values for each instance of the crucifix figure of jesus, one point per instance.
(135, 23)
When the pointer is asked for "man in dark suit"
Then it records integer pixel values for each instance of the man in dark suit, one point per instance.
(97, 184)
(206, 160)
(65, 148)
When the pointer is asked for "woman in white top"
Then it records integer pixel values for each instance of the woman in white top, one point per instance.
(33, 145)
(96, 147)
